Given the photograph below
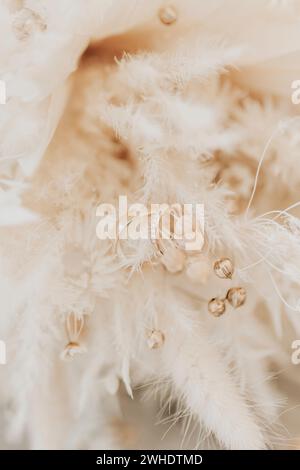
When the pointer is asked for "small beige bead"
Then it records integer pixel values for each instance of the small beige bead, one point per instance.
(173, 259)
(224, 268)
(216, 307)
(167, 15)
(236, 296)
(198, 270)
(156, 339)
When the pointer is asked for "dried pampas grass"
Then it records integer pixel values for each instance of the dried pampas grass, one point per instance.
(182, 103)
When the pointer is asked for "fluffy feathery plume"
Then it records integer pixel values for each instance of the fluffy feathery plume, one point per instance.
(101, 104)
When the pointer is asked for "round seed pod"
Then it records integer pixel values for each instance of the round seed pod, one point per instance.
(156, 339)
(224, 268)
(236, 296)
(167, 15)
(216, 307)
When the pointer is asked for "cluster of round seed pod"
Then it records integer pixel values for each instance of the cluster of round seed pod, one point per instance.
(236, 296)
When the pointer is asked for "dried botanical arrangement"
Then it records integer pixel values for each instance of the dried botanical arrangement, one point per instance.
(184, 102)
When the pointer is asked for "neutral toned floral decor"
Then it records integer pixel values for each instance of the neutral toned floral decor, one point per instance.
(149, 342)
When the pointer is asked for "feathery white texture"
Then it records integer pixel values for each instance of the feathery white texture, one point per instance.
(160, 125)
(197, 374)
